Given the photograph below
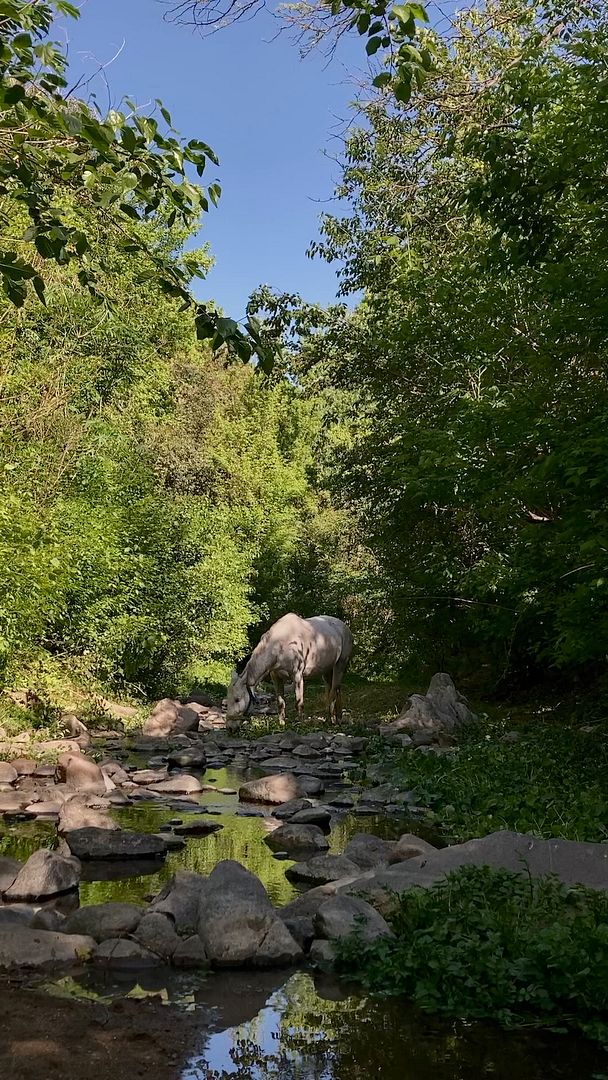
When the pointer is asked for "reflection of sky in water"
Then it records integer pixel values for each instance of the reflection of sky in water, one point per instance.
(255, 1050)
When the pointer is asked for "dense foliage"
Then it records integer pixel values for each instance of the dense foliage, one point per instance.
(488, 943)
(473, 373)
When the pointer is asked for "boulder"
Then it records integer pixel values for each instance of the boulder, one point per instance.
(16, 915)
(276, 764)
(295, 838)
(143, 777)
(115, 772)
(190, 953)
(94, 843)
(180, 900)
(23, 947)
(81, 774)
(573, 861)
(156, 932)
(8, 773)
(322, 869)
(170, 718)
(45, 874)
(311, 785)
(125, 955)
(9, 868)
(368, 851)
(409, 846)
(442, 710)
(102, 921)
(238, 925)
(302, 930)
(277, 789)
(75, 814)
(178, 785)
(342, 916)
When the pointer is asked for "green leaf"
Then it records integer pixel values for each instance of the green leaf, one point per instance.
(373, 45)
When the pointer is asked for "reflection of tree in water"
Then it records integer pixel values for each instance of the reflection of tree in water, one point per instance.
(315, 1038)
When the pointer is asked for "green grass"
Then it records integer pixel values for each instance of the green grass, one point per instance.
(491, 944)
(552, 782)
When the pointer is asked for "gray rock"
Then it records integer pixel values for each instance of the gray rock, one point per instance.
(180, 899)
(170, 718)
(323, 955)
(45, 809)
(301, 928)
(178, 785)
(277, 789)
(288, 809)
(190, 953)
(294, 838)
(277, 764)
(201, 827)
(172, 843)
(46, 873)
(123, 954)
(311, 785)
(191, 757)
(75, 814)
(81, 774)
(441, 710)
(8, 774)
(342, 801)
(9, 868)
(410, 846)
(342, 916)
(322, 869)
(48, 919)
(23, 947)
(315, 815)
(109, 844)
(238, 925)
(143, 777)
(102, 921)
(368, 851)
(16, 915)
(156, 932)
(572, 861)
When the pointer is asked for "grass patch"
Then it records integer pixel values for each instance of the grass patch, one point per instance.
(363, 703)
(492, 944)
(552, 782)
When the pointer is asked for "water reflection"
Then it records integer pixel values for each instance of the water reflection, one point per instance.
(299, 1035)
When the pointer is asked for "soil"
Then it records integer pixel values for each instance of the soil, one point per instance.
(45, 1037)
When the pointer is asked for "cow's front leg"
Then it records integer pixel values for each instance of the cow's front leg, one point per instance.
(298, 685)
(279, 689)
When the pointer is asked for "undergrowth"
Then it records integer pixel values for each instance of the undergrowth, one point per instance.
(552, 781)
(491, 944)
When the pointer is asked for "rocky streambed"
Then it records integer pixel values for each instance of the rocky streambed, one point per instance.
(217, 873)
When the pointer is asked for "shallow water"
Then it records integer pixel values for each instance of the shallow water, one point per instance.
(294, 1026)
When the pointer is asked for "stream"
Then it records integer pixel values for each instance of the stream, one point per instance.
(292, 1026)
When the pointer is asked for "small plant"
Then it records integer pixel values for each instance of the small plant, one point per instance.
(489, 943)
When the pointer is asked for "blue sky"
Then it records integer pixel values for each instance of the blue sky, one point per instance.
(267, 114)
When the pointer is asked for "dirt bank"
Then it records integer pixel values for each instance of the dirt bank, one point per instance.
(46, 1037)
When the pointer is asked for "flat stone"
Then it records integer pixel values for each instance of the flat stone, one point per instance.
(23, 947)
(321, 869)
(279, 763)
(148, 776)
(76, 814)
(99, 844)
(101, 921)
(44, 809)
(198, 828)
(276, 790)
(178, 785)
(288, 809)
(12, 802)
(315, 815)
(80, 773)
(24, 766)
(46, 873)
(191, 757)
